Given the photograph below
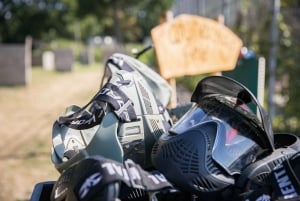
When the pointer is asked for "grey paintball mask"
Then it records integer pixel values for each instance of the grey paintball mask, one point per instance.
(123, 120)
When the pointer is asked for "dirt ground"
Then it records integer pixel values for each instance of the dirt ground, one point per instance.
(26, 118)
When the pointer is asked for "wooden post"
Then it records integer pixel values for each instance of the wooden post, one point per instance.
(173, 101)
(221, 20)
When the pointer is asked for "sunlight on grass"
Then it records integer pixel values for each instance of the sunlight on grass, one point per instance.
(41, 75)
(41, 78)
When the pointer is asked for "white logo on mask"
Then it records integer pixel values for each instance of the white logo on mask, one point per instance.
(91, 181)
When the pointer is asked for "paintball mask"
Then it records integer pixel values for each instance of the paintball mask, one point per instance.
(225, 131)
(123, 120)
(283, 183)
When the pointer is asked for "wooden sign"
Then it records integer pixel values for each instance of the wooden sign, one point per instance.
(190, 45)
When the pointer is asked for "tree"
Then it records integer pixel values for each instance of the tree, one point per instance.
(253, 28)
(126, 20)
(288, 118)
(42, 19)
(49, 19)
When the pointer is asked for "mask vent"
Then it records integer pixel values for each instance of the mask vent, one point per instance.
(262, 178)
(157, 131)
(146, 99)
(210, 164)
(184, 154)
(203, 185)
(133, 194)
(155, 149)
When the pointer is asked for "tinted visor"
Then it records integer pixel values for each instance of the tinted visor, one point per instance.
(221, 85)
(236, 144)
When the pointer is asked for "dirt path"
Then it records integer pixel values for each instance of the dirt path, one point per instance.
(26, 117)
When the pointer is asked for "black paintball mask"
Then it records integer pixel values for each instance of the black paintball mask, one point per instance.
(224, 131)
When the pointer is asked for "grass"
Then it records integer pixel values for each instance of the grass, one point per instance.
(39, 75)
(41, 78)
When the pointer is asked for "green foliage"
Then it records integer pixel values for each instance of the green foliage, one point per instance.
(288, 113)
(39, 18)
(46, 20)
(256, 36)
(190, 82)
(290, 83)
(128, 21)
